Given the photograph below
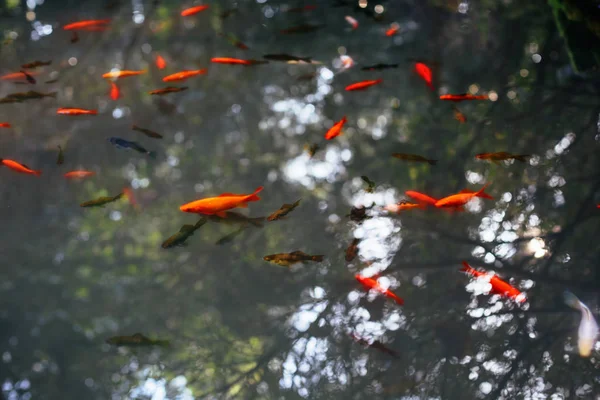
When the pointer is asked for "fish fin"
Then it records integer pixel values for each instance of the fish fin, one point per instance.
(253, 196)
(221, 214)
(571, 300)
(522, 157)
(397, 299)
(37, 172)
(243, 205)
(432, 162)
(481, 192)
(226, 194)
(467, 268)
(318, 258)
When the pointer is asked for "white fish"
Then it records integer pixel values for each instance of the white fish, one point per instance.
(588, 328)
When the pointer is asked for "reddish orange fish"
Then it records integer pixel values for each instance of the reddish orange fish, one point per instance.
(393, 29)
(122, 74)
(17, 76)
(459, 116)
(183, 75)
(22, 168)
(218, 205)
(421, 198)
(463, 97)
(498, 285)
(460, 199)
(160, 62)
(483, 195)
(403, 205)
(4, 125)
(425, 73)
(370, 283)
(336, 129)
(86, 24)
(75, 111)
(79, 174)
(352, 21)
(114, 91)
(131, 198)
(193, 10)
(236, 61)
(363, 85)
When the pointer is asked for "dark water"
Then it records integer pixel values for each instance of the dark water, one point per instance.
(240, 327)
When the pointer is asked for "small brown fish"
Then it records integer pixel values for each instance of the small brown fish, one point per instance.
(179, 238)
(234, 218)
(74, 37)
(30, 95)
(101, 201)
(379, 67)
(29, 78)
(311, 149)
(167, 90)
(137, 339)
(288, 259)
(458, 115)
(358, 214)
(502, 156)
(352, 250)
(147, 132)
(413, 157)
(231, 236)
(306, 28)
(307, 77)
(283, 211)
(370, 184)
(61, 158)
(52, 81)
(36, 64)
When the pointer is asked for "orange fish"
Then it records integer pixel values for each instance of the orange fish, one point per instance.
(193, 10)
(160, 62)
(363, 85)
(425, 73)
(114, 91)
(336, 129)
(86, 24)
(421, 198)
(462, 97)
(218, 205)
(236, 61)
(370, 283)
(75, 111)
(79, 174)
(183, 75)
(459, 116)
(22, 168)
(16, 76)
(353, 22)
(4, 125)
(498, 285)
(403, 205)
(131, 198)
(122, 74)
(460, 199)
(393, 29)
(483, 195)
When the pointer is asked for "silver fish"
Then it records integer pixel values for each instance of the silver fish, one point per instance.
(588, 328)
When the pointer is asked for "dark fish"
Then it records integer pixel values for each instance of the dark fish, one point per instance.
(74, 37)
(228, 13)
(30, 95)
(352, 250)
(311, 149)
(358, 214)
(287, 58)
(61, 158)
(52, 81)
(301, 9)
(229, 237)
(29, 78)
(502, 156)
(167, 90)
(101, 201)
(147, 132)
(234, 218)
(126, 144)
(370, 184)
(288, 259)
(413, 157)
(36, 64)
(137, 339)
(376, 345)
(283, 211)
(306, 28)
(379, 67)
(184, 233)
(234, 41)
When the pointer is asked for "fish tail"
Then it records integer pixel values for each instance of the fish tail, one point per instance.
(571, 300)
(432, 162)
(253, 196)
(94, 112)
(522, 157)
(317, 258)
(37, 172)
(481, 192)
(397, 299)
(467, 268)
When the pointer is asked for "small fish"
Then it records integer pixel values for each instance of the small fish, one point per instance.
(30, 95)
(414, 158)
(498, 285)
(183, 75)
(462, 97)
(370, 184)
(502, 156)
(227, 13)
(234, 41)
(370, 283)
(17, 76)
(193, 10)
(100, 201)
(36, 64)
(52, 81)
(61, 157)
(425, 73)
(234, 218)
(460, 199)
(29, 78)
(283, 211)
(393, 29)
(403, 205)
(114, 91)
(336, 129)
(122, 74)
(218, 205)
(86, 24)
(5, 125)
(167, 90)
(184, 233)
(352, 21)
(421, 198)
(358, 214)
(288, 58)
(160, 62)
(147, 132)
(363, 85)
(352, 250)
(376, 345)
(137, 339)
(79, 174)
(588, 328)
(230, 236)
(301, 9)
(311, 149)
(459, 116)
(289, 259)
(379, 67)
(126, 144)
(236, 61)
(307, 77)
(18, 167)
(75, 111)
(306, 28)
(74, 37)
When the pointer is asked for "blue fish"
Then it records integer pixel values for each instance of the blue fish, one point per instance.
(126, 144)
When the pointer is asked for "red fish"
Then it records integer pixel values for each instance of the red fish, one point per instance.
(393, 29)
(421, 198)
(86, 24)
(462, 97)
(193, 10)
(4, 125)
(121, 74)
(370, 283)
(458, 115)
(218, 205)
(353, 22)
(114, 91)
(131, 198)
(183, 75)
(22, 168)
(498, 285)
(17, 76)
(363, 85)
(79, 174)
(75, 111)
(425, 73)
(460, 199)
(336, 129)
(236, 61)
(160, 62)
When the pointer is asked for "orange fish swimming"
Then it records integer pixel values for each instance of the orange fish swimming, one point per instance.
(483, 195)
(4, 125)
(502, 156)
(122, 74)
(17, 76)
(393, 29)
(336, 129)
(370, 283)
(218, 205)
(363, 85)
(160, 62)
(352, 21)
(403, 205)
(131, 198)
(421, 198)
(183, 75)
(22, 168)
(114, 91)
(463, 97)
(460, 199)
(425, 73)
(459, 116)
(193, 10)
(236, 61)
(75, 111)
(79, 174)
(86, 24)
(498, 285)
